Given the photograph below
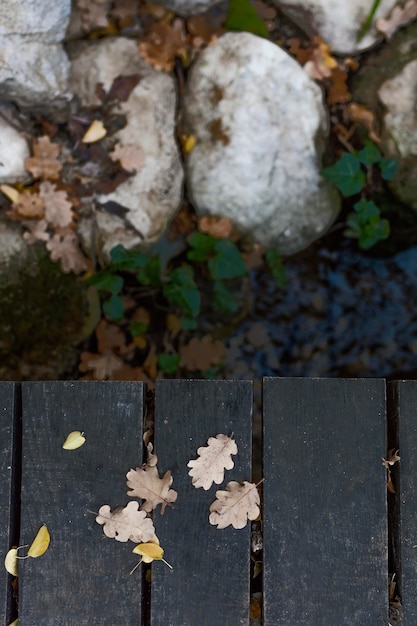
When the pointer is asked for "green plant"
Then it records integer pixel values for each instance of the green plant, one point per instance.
(350, 174)
(242, 16)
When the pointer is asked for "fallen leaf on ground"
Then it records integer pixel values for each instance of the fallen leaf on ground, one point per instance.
(93, 13)
(74, 440)
(399, 16)
(10, 192)
(235, 506)
(163, 43)
(64, 248)
(103, 365)
(321, 62)
(94, 132)
(338, 90)
(145, 483)
(58, 210)
(200, 354)
(126, 523)
(36, 231)
(41, 543)
(29, 206)
(44, 163)
(213, 460)
(220, 227)
(11, 562)
(360, 113)
(132, 158)
(120, 90)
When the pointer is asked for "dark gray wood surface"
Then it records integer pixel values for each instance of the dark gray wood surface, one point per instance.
(7, 506)
(325, 524)
(405, 396)
(209, 585)
(83, 578)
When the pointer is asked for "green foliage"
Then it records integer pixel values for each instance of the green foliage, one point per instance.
(227, 262)
(276, 266)
(366, 224)
(243, 16)
(224, 299)
(349, 175)
(137, 329)
(169, 363)
(182, 290)
(368, 21)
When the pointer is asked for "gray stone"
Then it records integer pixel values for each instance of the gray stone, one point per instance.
(153, 194)
(337, 22)
(188, 7)
(14, 150)
(260, 126)
(33, 65)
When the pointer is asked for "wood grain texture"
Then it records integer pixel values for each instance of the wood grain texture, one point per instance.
(7, 403)
(83, 578)
(405, 393)
(209, 584)
(325, 526)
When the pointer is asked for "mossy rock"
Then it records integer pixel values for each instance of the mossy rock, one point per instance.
(42, 314)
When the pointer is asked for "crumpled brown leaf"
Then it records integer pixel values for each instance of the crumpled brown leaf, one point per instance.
(132, 158)
(103, 365)
(200, 354)
(399, 16)
(64, 248)
(44, 163)
(235, 506)
(29, 206)
(220, 227)
(58, 210)
(126, 523)
(36, 231)
(163, 43)
(213, 460)
(145, 483)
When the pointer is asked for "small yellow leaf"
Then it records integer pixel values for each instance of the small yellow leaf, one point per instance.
(74, 440)
(189, 143)
(149, 552)
(10, 192)
(10, 562)
(95, 132)
(40, 544)
(15, 623)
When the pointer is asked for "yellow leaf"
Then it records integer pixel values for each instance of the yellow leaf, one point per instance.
(74, 440)
(10, 562)
(10, 192)
(189, 142)
(150, 551)
(95, 132)
(15, 623)
(40, 544)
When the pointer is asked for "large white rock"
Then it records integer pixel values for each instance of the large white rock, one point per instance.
(14, 150)
(154, 193)
(260, 123)
(338, 22)
(33, 65)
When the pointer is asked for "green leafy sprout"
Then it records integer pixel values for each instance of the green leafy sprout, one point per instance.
(350, 175)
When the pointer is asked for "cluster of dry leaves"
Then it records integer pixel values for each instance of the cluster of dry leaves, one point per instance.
(234, 506)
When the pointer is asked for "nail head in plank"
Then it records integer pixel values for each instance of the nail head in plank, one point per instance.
(325, 526)
(7, 425)
(209, 584)
(83, 578)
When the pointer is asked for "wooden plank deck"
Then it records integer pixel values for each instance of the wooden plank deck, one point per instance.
(324, 503)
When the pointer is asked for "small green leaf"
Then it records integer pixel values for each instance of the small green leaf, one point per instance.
(276, 267)
(150, 274)
(224, 299)
(227, 261)
(169, 363)
(182, 290)
(366, 224)
(210, 373)
(369, 154)
(346, 174)
(105, 281)
(242, 16)
(388, 168)
(202, 246)
(113, 308)
(137, 329)
(188, 323)
(127, 259)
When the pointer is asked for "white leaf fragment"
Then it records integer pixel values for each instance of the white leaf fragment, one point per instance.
(213, 460)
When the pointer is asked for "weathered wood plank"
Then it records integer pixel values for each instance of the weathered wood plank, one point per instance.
(209, 584)
(404, 394)
(82, 578)
(325, 525)
(7, 506)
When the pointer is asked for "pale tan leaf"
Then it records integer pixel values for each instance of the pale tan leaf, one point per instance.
(74, 440)
(145, 483)
(30, 205)
(399, 16)
(103, 365)
(58, 210)
(126, 523)
(95, 132)
(11, 563)
(235, 506)
(10, 192)
(65, 249)
(36, 231)
(44, 163)
(213, 460)
(132, 158)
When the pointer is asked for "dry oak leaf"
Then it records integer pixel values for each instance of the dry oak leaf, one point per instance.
(44, 163)
(29, 206)
(235, 506)
(58, 211)
(103, 365)
(213, 460)
(126, 523)
(132, 158)
(200, 354)
(360, 113)
(145, 483)
(321, 62)
(163, 43)
(399, 16)
(36, 231)
(65, 249)
(220, 227)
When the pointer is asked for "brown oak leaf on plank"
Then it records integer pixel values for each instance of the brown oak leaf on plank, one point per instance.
(145, 483)
(44, 163)
(213, 460)
(235, 506)
(126, 523)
